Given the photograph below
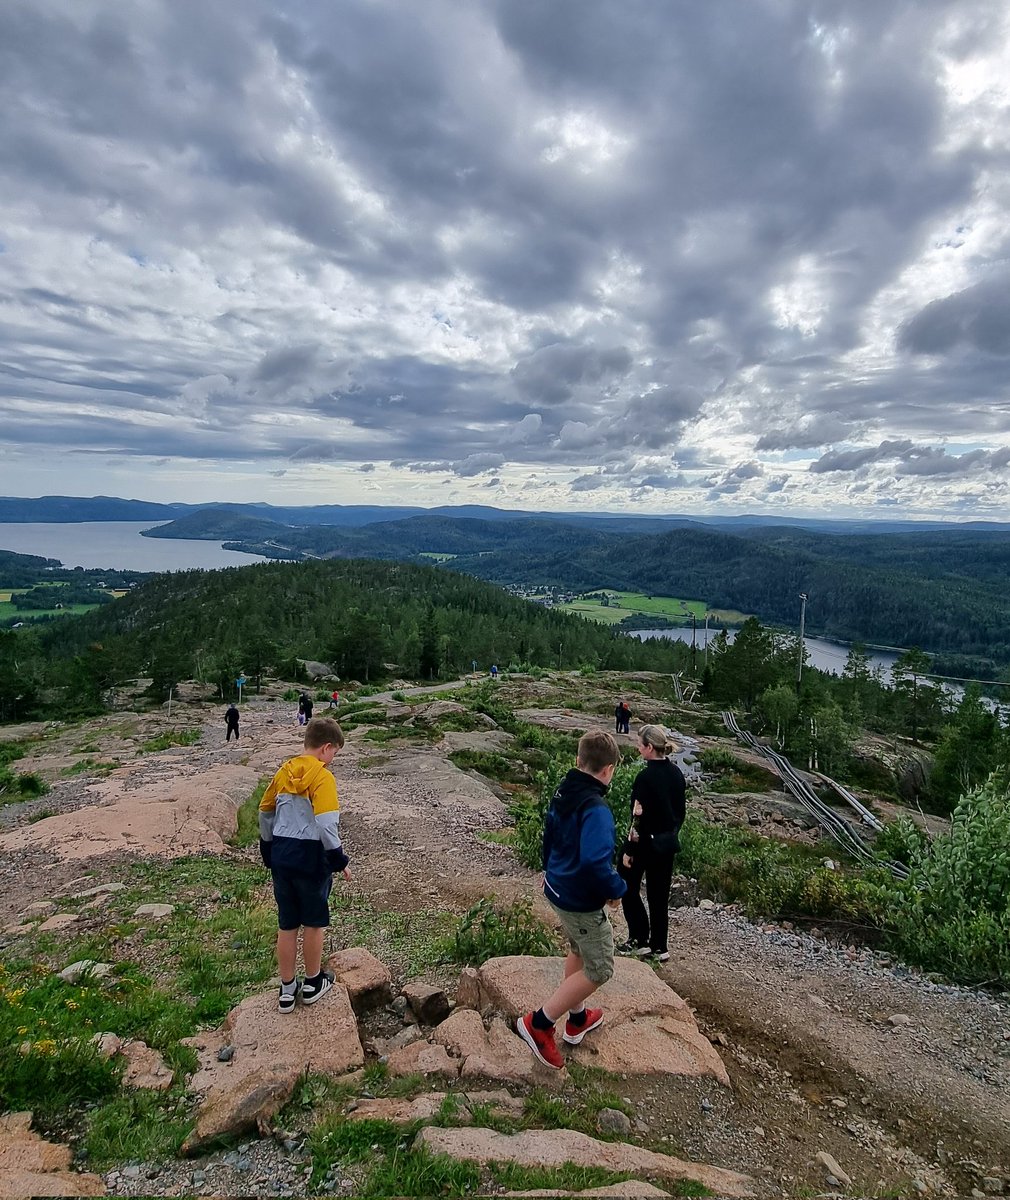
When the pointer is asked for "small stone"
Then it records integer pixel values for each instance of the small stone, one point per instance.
(85, 968)
(759, 1130)
(921, 1187)
(157, 912)
(897, 1019)
(198, 1178)
(831, 1181)
(612, 1120)
(831, 1167)
(992, 1185)
(226, 1054)
(706, 1105)
(131, 1172)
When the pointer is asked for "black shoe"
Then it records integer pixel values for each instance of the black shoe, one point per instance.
(315, 989)
(286, 1000)
(627, 948)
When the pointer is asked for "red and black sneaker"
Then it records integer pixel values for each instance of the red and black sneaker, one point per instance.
(540, 1041)
(575, 1033)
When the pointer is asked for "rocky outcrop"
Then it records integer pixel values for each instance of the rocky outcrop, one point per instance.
(648, 1028)
(427, 1002)
(631, 1189)
(31, 1166)
(556, 1147)
(492, 1053)
(145, 1068)
(269, 1054)
(368, 981)
(429, 1104)
(171, 817)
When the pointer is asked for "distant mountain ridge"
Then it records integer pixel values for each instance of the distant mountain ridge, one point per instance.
(69, 509)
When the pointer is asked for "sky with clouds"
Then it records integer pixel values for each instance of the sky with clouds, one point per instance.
(621, 255)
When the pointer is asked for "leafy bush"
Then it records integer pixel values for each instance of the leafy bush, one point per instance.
(953, 915)
(489, 764)
(172, 737)
(16, 787)
(900, 841)
(486, 931)
(773, 880)
(718, 758)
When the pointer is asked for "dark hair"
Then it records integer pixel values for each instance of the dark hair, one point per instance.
(321, 731)
(596, 751)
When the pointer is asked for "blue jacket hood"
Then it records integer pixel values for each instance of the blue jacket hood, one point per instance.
(578, 848)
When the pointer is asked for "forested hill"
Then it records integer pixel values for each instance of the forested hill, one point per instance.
(942, 590)
(953, 602)
(357, 614)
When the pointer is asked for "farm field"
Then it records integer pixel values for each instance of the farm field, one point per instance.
(434, 556)
(9, 613)
(626, 604)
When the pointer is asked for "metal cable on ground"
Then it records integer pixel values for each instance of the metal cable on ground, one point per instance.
(842, 832)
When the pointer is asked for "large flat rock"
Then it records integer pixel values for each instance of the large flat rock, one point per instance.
(648, 1029)
(31, 1166)
(184, 814)
(271, 1051)
(556, 1147)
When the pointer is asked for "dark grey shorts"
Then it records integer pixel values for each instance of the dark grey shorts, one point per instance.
(302, 900)
(592, 938)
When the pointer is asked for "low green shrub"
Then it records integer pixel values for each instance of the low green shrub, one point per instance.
(953, 914)
(486, 931)
(15, 787)
(900, 841)
(172, 737)
(490, 765)
(770, 879)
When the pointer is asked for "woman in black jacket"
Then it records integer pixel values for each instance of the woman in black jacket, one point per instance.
(657, 813)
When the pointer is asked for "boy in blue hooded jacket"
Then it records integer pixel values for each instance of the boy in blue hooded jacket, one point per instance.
(579, 882)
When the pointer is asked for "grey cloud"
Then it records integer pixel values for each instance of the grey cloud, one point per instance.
(367, 468)
(809, 431)
(978, 317)
(551, 373)
(852, 460)
(588, 483)
(477, 464)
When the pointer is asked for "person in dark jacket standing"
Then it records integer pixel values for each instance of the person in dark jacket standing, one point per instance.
(658, 806)
(579, 880)
(231, 722)
(622, 717)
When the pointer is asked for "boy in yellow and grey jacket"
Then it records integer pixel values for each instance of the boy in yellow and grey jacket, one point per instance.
(299, 819)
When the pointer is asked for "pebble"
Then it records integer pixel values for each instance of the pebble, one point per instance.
(226, 1054)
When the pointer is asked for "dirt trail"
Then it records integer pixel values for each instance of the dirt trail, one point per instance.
(903, 1081)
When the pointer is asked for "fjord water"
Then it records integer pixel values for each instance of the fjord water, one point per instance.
(116, 545)
(826, 656)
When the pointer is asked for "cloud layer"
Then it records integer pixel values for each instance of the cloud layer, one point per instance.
(680, 257)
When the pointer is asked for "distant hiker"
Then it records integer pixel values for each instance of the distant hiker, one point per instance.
(304, 708)
(231, 722)
(657, 813)
(579, 879)
(334, 700)
(622, 717)
(299, 818)
(494, 671)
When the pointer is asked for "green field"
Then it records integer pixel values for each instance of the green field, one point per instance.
(435, 556)
(626, 604)
(9, 613)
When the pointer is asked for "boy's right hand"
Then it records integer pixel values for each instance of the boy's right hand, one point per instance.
(346, 872)
(614, 903)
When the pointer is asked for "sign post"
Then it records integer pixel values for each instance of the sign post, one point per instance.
(240, 683)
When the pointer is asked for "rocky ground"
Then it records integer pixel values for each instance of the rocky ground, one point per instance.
(899, 1083)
